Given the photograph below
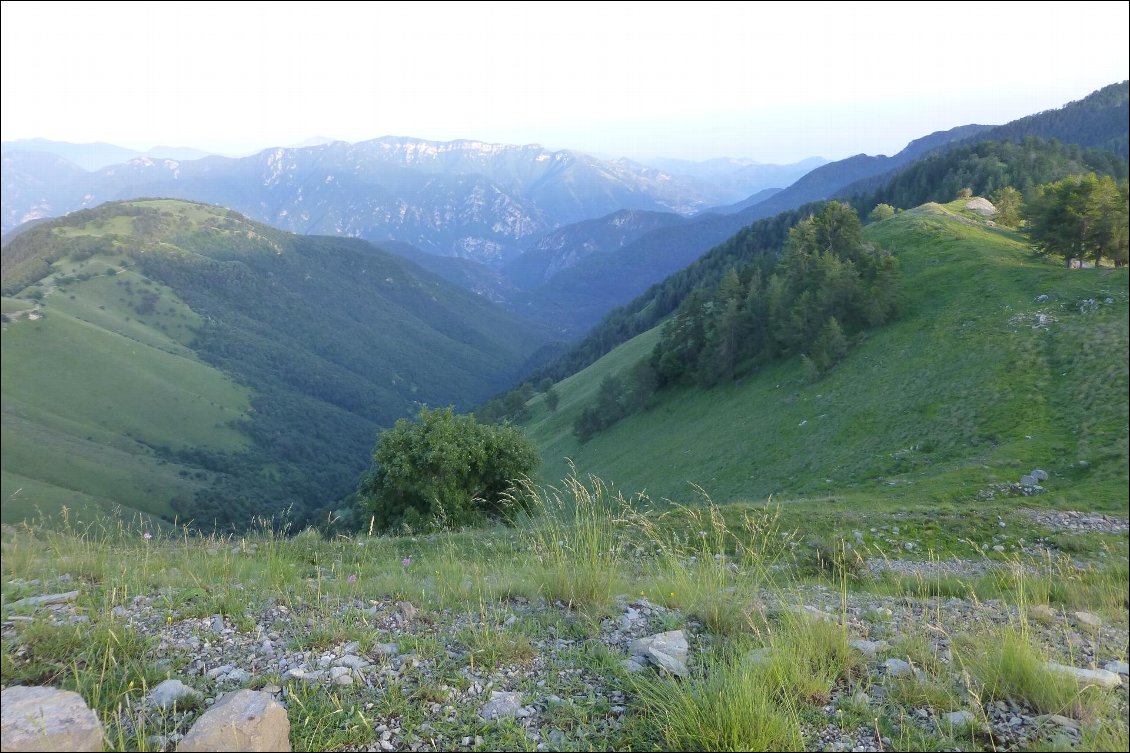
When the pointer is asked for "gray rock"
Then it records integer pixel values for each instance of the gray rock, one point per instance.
(1117, 667)
(1100, 677)
(220, 670)
(173, 692)
(870, 648)
(47, 719)
(246, 720)
(386, 649)
(1028, 480)
(667, 650)
(1088, 619)
(1039, 475)
(502, 704)
(1061, 721)
(238, 676)
(632, 666)
(900, 668)
(407, 611)
(46, 601)
(961, 718)
(351, 661)
(351, 648)
(217, 624)
(817, 614)
(297, 673)
(998, 548)
(981, 206)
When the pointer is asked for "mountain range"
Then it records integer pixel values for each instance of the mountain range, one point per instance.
(468, 199)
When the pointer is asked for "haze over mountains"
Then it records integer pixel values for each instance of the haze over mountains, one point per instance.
(559, 237)
(463, 198)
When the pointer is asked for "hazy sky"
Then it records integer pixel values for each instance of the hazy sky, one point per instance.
(774, 82)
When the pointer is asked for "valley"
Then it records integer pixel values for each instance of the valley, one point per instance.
(419, 445)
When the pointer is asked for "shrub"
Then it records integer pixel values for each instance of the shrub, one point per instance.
(443, 470)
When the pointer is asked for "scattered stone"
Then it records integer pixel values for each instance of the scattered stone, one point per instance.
(46, 601)
(1043, 613)
(386, 649)
(407, 611)
(900, 668)
(1100, 677)
(1039, 475)
(238, 676)
(817, 614)
(667, 650)
(998, 548)
(47, 719)
(502, 704)
(352, 662)
(870, 648)
(173, 692)
(246, 720)
(1088, 619)
(1028, 480)
(1061, 721)
(341, 676)
(959, 719)
(632, 666)
(217, 623)
(1117, 667)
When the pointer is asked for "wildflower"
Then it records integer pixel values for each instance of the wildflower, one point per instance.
(406, 561)
(352, 578)
(147, 535)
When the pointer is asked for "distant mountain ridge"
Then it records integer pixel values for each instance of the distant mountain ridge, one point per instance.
(98, 155)
(466, 198)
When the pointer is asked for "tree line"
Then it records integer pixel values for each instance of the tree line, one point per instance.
(828, 285)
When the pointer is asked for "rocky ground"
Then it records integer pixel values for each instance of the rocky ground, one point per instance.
(564, 683)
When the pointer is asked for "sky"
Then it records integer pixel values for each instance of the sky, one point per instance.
(773, 82)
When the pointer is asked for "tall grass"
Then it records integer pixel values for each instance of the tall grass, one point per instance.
(1013, 667)
(712, 571)
(576, 535)
(732, 707)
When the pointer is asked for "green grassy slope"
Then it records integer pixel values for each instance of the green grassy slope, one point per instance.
(978, 382)
(91, 387)
(176, 358)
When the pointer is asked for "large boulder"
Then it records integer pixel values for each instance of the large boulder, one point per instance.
(981, 206)
(247, 720)
(38, 718)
